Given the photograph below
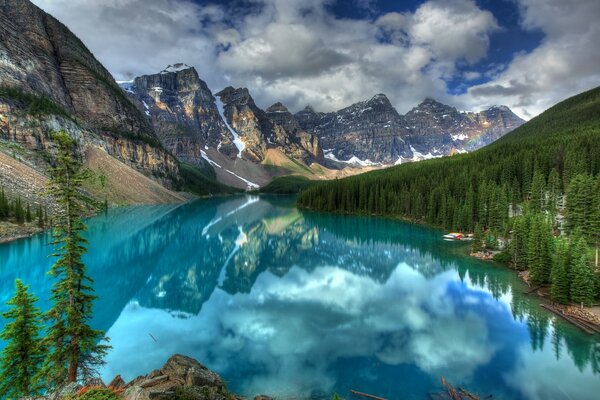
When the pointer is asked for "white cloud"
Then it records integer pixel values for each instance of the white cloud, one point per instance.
(296, 52)
(311, 318)
(299, 53)
(566, 63)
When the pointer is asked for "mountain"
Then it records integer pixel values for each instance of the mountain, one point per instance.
(50, 81)
(229, 129)
(260, 130)
(476, 189)
(183, 112)
(373, 131)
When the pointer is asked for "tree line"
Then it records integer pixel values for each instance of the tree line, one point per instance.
(70, 349)
(20, 212)
(536, 182)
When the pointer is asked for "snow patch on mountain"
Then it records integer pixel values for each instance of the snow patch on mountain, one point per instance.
(239, 143)
(417, 156)
(353, 160)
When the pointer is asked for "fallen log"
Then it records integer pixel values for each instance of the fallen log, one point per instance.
(591, 325)
(451, 391)
(367, 395)
(568, 318)
(533, 290)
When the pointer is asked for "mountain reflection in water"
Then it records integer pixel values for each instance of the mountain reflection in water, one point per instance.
(297, 304)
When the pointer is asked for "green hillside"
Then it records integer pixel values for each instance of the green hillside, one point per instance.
(460, 191)
(538, 187)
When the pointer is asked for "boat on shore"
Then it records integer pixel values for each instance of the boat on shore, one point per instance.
(453, 236)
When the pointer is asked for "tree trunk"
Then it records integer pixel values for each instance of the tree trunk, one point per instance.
(74, 361)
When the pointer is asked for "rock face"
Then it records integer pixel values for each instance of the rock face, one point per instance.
(180, 375)
(39, 56)
(183, 111)
(373, 131)
(260, 130)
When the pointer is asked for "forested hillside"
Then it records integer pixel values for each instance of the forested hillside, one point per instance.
(545, 174)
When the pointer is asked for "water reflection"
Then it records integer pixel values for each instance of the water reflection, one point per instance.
(303, 304)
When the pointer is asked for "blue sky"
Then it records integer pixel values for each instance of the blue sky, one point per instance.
(527, 54)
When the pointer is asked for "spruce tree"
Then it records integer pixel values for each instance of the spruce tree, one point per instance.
(560, 291)
(539, 244)
(595, 222)
(74, 346)
(23, 354)
(584, 279)
(538, 190)
(28, 216)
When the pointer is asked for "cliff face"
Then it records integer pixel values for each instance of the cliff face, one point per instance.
(183, 111)
(373, 132)
(260, 130)
(40, 57)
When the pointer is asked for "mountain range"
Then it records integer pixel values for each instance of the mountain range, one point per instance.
(134, 136)
(191, 122)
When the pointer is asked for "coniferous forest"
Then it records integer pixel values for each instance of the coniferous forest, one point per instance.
(538, 187)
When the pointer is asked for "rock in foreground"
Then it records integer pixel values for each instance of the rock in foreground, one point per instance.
(181, 377)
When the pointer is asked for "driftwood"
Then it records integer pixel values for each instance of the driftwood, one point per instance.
(370, 396)
(592, 326)
(458, 394)
(533, 290)
(572, 320)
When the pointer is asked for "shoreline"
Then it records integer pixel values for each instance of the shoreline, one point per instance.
(10, 231)
(568, 312)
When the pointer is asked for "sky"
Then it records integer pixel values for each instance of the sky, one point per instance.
(471, 54)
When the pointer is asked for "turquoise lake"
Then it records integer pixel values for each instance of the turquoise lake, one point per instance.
(296, 304)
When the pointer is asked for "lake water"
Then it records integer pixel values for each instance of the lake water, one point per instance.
(295, 304)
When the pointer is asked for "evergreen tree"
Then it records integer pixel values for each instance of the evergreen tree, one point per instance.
(554, 192)
(477, 244)
(28, 216)
(538, 190)
(4, 206)
(23, 354)
(560, 291)
(40, 217)
(74, 349)
(595, 221)
(518, 244)
(584, 280)
(539, 244)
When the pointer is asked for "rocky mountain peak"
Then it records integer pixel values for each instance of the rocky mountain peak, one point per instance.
(277, 108)
(380, 99)
(236, 96)
(176, 68)
(183, 111)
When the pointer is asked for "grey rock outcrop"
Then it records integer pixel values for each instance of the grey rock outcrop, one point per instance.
(179, 375)
(276, 128)
(183, 112)
(40, 57)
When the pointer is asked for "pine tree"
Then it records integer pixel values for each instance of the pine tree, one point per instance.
(584, 280)
(595, 222)
(539, 245)
(74, 349)
(518, 245)
(28, 216)
(40, 217)
(560, 291)
(538, 190)
(23, 354)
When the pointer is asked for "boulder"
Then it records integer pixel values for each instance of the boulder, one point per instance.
(180, 376)
(117, 383)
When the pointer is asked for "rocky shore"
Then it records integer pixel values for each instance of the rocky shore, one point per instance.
(181, 378)
(10, 231)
